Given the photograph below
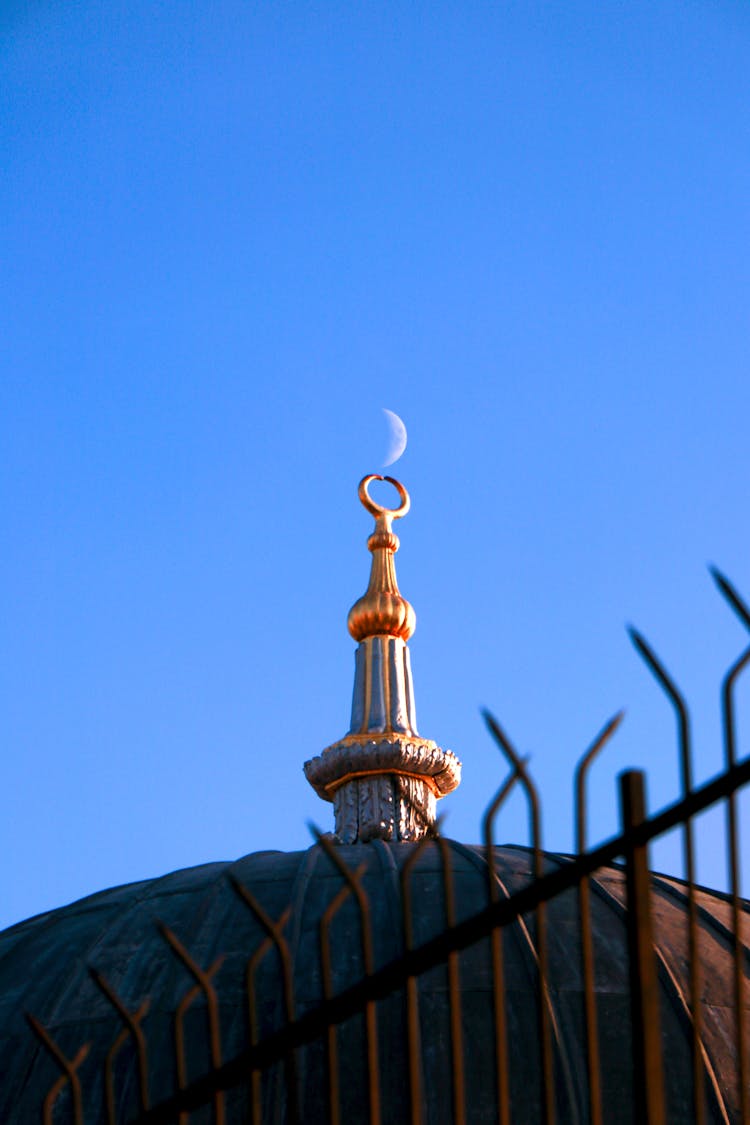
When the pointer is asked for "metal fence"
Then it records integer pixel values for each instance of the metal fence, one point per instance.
(236, 1088)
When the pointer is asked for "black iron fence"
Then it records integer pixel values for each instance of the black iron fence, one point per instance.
(474, 1057)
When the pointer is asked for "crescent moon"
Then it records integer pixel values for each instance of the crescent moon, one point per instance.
(397, 437)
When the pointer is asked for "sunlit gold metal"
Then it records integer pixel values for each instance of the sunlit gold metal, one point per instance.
(382, 611)
(428, 781)
(376, 509)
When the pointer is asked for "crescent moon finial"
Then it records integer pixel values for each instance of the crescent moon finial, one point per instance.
(382, 776)
(378, 510)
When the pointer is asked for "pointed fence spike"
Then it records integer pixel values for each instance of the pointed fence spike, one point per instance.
(731, 595)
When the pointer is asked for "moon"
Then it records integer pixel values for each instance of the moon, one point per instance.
(396, 436)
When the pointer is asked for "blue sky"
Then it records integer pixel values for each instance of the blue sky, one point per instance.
(229, 235)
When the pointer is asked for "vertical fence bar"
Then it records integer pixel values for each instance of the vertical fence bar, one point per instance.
(738, 950)
(648, 1078)
(368, 960)
(688, 850)
(203, 984)
(730, 759)
(275, 931)
(431, 831)
(256, 1076)
(69, 1068)
(584, 908)
(454, 992)
(326, 969)
(412, 989)
(496, 953)
(179, 1042)
(545, 1031)
(132, 1029)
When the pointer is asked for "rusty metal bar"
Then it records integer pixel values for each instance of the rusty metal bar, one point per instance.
(69, 1068)
(109, 1075)
(326, 969)
(256, 1078)
(454, 992)
(737, 603)
(202, 984)
(686, 770)
(496, 952)
(132, 1029)
(738, 950)
(488, 826)
(179, 1041)
(413, 1031)
(730, 755)
(584, 908)
(412, 990)
(393, 975)
(648, 1079)
(368, 959)
(545, 1032)
(274, 931)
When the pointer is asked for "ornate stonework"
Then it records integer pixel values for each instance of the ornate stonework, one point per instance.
(383, 779)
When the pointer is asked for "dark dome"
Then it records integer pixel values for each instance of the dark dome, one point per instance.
(44, 970)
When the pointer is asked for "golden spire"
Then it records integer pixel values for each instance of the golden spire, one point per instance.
(382, 611)
(383, 777)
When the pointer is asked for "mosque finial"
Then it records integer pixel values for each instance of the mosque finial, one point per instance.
(382, 610)
(383, 777)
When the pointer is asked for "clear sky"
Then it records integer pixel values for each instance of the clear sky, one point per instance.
(230, 234)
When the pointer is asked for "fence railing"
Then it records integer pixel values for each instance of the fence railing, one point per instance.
(718, 1088)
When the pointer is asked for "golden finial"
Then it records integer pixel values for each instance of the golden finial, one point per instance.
(382, 611)
(383, 777)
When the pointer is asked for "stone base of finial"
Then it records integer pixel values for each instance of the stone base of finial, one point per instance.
(383, 807)
(383, 789)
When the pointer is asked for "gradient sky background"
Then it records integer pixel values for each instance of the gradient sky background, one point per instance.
(229, 235)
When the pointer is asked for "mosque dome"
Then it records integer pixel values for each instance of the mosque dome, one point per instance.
(46, 963)
(111, 1004)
